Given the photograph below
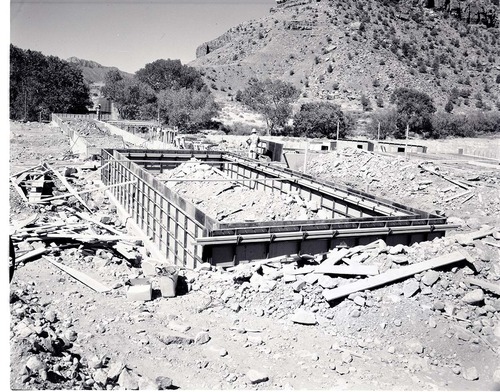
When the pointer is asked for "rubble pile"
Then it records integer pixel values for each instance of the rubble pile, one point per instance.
(417, 183)
(48, 351)
(95, 135)
(241, 202)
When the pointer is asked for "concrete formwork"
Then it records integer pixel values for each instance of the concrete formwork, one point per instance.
(188, 236)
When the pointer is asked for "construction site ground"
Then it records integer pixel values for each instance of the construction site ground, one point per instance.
(254, 327)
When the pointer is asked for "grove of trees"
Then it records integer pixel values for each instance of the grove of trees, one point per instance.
(164, 89)
(40, 85)
(320, 119)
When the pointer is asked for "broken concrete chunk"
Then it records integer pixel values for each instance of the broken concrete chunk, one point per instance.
(100, 377)
(395, 250)
(410, 288)
(178, 327)
(298, 285)
(327, 282)
(474, 297)
(256, 377)
(202, 338)
(398, 259)
(305, 317)
(175, 339)
(127, 380)
(114, 370)
(163, 382)
(415, 346)
(430, 277)
(470, 374)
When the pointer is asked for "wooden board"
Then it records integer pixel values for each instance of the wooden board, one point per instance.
(395, 274)
(488, 286)
(84, 278)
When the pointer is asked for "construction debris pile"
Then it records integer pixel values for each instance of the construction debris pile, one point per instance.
(416, 183)
(95, 135)
(50, 348)
(241, 203)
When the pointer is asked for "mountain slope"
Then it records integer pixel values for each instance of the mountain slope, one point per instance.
(340, 50)
(93, 72)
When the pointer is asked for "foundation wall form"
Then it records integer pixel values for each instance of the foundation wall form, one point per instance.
(187, 236)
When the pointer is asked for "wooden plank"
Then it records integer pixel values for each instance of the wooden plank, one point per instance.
(88, 237)
(395, 274)
(78, 275)
(458, 183)
(332, 259)
(352, 269)
(18, 225)
(68, 186)
(88, 191)
(31, 254)
(491, 287)
(456, 196)
(24, 171)
(98, 223)
(18, 189)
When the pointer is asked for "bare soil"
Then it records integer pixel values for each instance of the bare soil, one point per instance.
(64, 335)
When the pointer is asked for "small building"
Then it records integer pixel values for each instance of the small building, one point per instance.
(322, 145)
(400, 147)
(359, 144)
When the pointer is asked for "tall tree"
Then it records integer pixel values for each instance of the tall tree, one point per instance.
(272, 99)
(44, 84)
(187, 109)
(170, 74)
(414, 109)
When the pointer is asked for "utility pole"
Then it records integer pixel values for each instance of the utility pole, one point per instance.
(378, 132)
(406, 141)
(305, 158)
(338, 131)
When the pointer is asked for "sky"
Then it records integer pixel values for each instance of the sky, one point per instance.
(126, 34)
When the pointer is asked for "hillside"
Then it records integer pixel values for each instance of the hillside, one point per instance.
(93, 72)
(338, 51)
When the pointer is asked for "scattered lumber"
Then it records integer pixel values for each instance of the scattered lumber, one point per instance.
(78, 275)
(24, 171)
(456, 196)
(332, 259)
(467, 198)
(18, 225)
(86, 217)
(458, 183)
(465, 239)
(31, 254)
(394, 275)
(491, 287)
(102, 188)
(18, 189)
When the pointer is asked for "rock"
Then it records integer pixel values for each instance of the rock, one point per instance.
(289, 278)
(163, 382)
(34, 364)
(394, 250)
(256, 377)
(438, 305)
(298, 285)
(70, 335)
(297, 299)
(127, 380)
(202, 338)
(410, 288)
(100, 377)
(432, 323)
(415, 346)
(360, 301)
(355, 313)
(474, 297)
(146, 384)
(327, 282)
(302, 316)
(204, 267)
(391, 350)
(50, 316)
(470, 374)
(114, 370)
(430, 277)
(397, 322)
(178, 327)
(175, 339)
(346, 357)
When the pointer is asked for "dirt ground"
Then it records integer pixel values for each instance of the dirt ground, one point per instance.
(234, 329)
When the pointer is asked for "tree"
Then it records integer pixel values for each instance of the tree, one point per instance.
(448, 108)
(414, 109)
(134, 99)
(387, 120)
(44, 84)
(319, 119)
(170, 74)
(187, 109)
(111, 83)
(272, 99)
